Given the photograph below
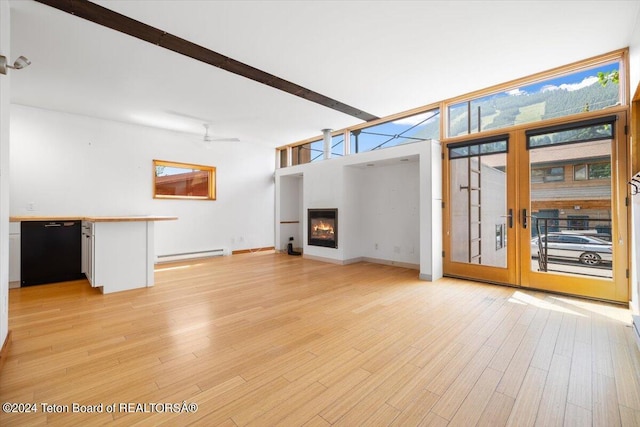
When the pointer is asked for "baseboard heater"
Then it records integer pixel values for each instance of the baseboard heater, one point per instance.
(191, 255)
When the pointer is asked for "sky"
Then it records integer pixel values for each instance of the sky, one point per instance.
(571, 82)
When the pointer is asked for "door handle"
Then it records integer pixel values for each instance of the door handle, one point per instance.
(510, 216)
(524, 218)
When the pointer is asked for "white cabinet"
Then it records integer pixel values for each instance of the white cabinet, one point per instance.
(119, 255)
(14, 254)
(87, 251)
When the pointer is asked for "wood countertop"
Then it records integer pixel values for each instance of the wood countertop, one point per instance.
(94, 218)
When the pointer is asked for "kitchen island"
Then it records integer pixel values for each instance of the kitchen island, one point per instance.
(117, 251)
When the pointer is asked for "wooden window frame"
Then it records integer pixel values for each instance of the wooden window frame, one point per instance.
(547, 176)
(211, 180)
(588, 168)
(620, 55)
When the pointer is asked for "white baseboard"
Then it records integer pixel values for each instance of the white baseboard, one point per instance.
(394, 263)
(363, 259)
(323, 259)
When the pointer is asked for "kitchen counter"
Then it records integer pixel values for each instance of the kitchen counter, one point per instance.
(94, 218)
(117, 251)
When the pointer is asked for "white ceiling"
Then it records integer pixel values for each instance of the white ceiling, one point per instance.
(382, 57)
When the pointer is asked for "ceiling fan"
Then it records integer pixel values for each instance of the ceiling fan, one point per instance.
(210, 138)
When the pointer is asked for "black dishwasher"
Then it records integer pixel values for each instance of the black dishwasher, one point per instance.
(50, 251)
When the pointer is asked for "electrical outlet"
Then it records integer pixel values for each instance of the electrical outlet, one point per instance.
(375, 246)
(31, 206)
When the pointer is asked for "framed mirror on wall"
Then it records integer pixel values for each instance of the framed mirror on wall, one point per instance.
(174, 180)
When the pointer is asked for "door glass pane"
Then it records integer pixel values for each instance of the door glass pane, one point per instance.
(571, 208)
(588, 133)
(478, 186)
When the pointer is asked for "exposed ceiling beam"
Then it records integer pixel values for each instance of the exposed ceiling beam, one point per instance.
(116, 21)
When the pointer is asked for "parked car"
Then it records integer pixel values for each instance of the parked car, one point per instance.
(588, 250)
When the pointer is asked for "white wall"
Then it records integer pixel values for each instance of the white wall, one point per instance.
(431, 265)
(323, 187)
(395, 204)
(291, 210)
(350, 226)
(4, 175)
(389, 212)
(634, 57)
(64, 164)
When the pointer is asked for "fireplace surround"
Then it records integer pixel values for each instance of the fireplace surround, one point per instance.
(323, 227)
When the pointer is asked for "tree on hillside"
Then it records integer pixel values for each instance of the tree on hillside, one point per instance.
(612, 76)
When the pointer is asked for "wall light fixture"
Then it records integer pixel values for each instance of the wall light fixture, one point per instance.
(21, 62)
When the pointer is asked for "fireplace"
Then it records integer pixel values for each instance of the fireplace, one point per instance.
(323, 227)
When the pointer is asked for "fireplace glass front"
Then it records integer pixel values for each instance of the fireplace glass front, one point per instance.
(323, 227)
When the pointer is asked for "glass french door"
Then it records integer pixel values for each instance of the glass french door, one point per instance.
(573, 215)
(542, 208)
(480, 219)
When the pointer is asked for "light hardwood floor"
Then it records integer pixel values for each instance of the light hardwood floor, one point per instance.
(269, 339)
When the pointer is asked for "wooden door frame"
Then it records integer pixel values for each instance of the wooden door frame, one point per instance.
(488, 274)
(580, 285)
(517, 192)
